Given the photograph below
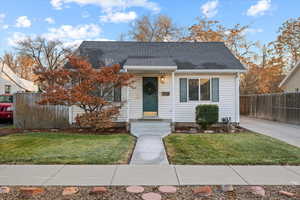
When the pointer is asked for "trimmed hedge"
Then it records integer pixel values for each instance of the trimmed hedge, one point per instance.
(206, 115)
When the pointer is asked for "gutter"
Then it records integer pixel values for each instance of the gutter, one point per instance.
(212, 71)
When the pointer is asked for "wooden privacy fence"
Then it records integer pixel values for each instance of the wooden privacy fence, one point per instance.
(28, 114)
(283, 107)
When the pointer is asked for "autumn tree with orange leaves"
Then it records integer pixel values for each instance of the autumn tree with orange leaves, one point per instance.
(93, 90)
(265, 64)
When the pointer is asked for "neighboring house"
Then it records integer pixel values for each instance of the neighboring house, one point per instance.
(171, 78)
(291, 83)
(10, 83)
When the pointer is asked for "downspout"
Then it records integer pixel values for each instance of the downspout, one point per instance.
(237, 99)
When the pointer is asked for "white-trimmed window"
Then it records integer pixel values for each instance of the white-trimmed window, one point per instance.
(195, 89)
(7, 89)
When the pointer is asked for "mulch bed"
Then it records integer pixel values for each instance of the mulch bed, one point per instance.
(214, 129)
(183, 193)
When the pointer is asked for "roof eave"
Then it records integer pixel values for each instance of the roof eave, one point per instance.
(211, 71)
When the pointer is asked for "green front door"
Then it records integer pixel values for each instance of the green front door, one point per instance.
(150, 96)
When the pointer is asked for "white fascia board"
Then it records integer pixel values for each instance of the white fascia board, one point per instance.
(150, 68)
(212, 71)
(289, 75)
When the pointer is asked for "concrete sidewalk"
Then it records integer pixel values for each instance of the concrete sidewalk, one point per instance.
(113, 175)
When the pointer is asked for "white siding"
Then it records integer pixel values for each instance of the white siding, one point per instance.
(136, 99)
(184, 111)
(165, 102)
(14, 87)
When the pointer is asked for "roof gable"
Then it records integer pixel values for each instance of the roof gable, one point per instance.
(186, 55)
(290, 74)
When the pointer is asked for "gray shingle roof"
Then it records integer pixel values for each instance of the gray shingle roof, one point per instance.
(146, 61)
(186, 55)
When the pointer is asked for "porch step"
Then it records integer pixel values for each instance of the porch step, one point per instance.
(150, 127)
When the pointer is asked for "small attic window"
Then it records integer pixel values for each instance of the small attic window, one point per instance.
(7, 89)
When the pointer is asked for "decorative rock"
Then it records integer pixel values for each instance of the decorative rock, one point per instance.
(288, 194)
(193, 130)
(70, 191)
(151, 196)
(257, 190)
(135, 189)
(227, 188)
(4, 190)
(167, 189)
(31, 191)
(204, 191)
(98, 190)
(208, 131)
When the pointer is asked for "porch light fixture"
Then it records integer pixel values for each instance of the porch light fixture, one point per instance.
(163, 79)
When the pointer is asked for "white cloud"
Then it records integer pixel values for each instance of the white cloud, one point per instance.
(259, 8)
(23, 22)
(5, 26)
(209, 9)
(50, 20)
(69, 32)
(118, 17)
(76, 43)
(109, 5)
(15, 38)
(71, 36)
(2, 17)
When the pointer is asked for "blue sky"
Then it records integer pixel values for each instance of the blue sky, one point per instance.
(75, 20)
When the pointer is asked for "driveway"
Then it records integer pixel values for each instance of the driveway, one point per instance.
(286, 132)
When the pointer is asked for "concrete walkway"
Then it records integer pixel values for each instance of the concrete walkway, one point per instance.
(286, 132)
(113, 175)
(149, 150)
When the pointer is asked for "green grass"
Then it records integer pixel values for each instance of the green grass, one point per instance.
(235, 149)
(58, 148)
(8, 127)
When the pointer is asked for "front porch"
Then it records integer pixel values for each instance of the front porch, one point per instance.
(152, 96)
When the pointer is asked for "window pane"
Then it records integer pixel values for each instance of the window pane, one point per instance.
(117, 94)
(194, 89)
(215, 89)
(205, 89)
(183, 89)
(7, 89)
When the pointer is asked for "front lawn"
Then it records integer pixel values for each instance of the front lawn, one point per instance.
(60, 148)
(235, 149)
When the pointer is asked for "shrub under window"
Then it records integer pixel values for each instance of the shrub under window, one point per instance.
(206, 115)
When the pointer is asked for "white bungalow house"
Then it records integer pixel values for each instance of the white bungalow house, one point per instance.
(291, 83)
(11, 83)
(171, 79)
